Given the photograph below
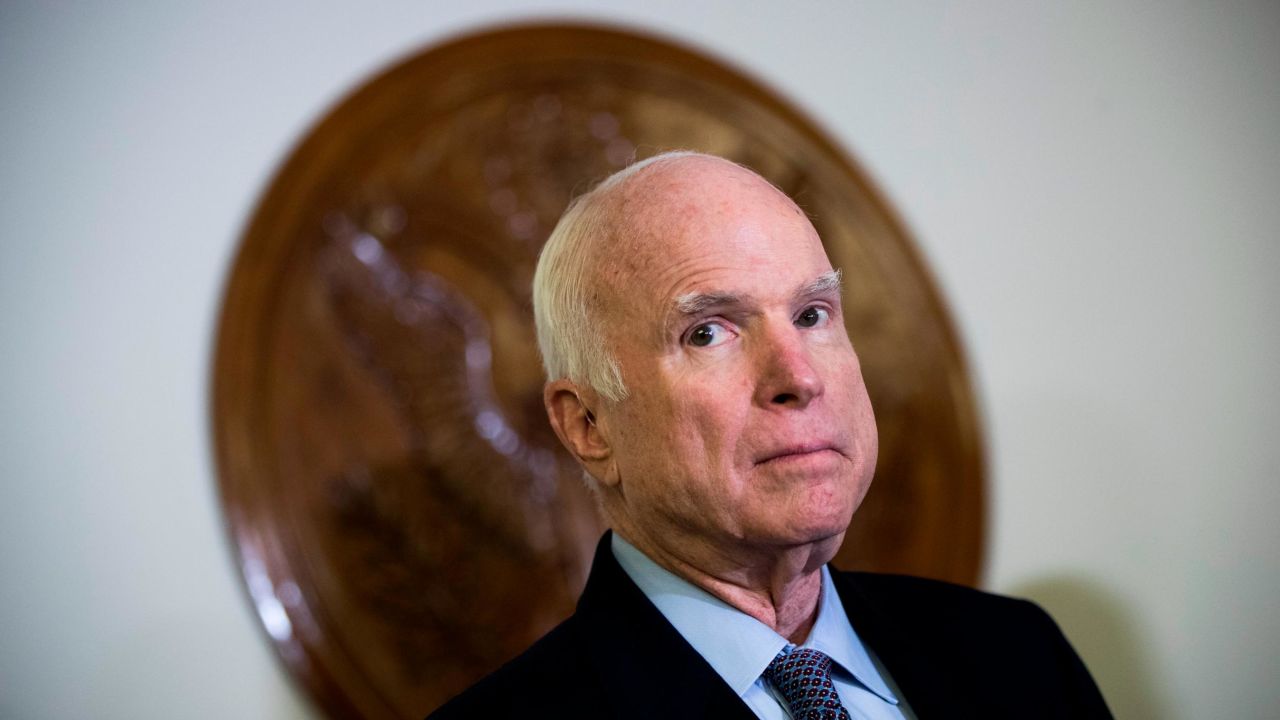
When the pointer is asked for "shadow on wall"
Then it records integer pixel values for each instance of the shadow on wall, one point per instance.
(1105, 634)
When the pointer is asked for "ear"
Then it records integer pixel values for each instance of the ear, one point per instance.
(571, 410)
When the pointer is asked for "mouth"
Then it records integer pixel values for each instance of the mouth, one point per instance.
(796, 452)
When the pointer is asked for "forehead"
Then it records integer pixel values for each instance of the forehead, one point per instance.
(702, 225)
(696, 199)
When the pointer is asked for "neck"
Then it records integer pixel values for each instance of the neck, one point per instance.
(778, 587)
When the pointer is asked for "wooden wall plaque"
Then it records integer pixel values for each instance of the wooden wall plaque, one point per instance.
(403, 516)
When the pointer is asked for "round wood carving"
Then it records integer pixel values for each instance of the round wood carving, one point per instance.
(403, 515)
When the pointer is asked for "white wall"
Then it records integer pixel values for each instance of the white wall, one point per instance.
(1096, 185)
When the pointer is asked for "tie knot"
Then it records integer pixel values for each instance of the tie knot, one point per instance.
(803, 676)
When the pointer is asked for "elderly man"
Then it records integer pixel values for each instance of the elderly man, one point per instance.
(699, 370)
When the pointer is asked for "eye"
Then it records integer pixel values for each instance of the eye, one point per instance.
(708, 335)
(812, 316)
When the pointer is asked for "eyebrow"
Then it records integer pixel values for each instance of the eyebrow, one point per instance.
(825, 284)
(696, 303)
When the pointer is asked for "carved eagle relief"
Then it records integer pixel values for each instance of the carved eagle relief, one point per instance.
(403, 515)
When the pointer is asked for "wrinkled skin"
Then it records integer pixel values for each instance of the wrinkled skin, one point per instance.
(747, 439)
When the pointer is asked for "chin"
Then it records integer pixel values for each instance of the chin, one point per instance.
(825, 533)
(815, 529)
(822, 545)
(828, 508)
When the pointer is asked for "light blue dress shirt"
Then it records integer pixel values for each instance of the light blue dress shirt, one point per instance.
(739, 647)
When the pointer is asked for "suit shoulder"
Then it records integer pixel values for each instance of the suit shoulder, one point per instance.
(912, 589)
(939, 603)
(952, 626)
(532, 684)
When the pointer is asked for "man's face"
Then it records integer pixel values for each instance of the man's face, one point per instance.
(747, 426)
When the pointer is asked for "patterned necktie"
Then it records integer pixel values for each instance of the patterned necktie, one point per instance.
(804, 678)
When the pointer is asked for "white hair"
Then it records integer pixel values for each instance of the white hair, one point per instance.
(564, 308)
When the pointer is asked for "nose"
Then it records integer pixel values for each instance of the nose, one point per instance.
(787, 377)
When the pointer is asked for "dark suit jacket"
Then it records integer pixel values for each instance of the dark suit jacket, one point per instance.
(953, 652)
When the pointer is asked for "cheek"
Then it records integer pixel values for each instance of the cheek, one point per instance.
(656, 436)
(864, 424)
(706, 433)
(687, 426)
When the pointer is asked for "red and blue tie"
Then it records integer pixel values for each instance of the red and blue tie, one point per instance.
(803, 677)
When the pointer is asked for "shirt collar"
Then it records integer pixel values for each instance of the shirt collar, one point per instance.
(737, 646)
(834, 635)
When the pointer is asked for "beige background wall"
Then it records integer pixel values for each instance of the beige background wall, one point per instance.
(1096, 186)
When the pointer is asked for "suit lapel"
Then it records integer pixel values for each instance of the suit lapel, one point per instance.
(927, 687)
(646, 667)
